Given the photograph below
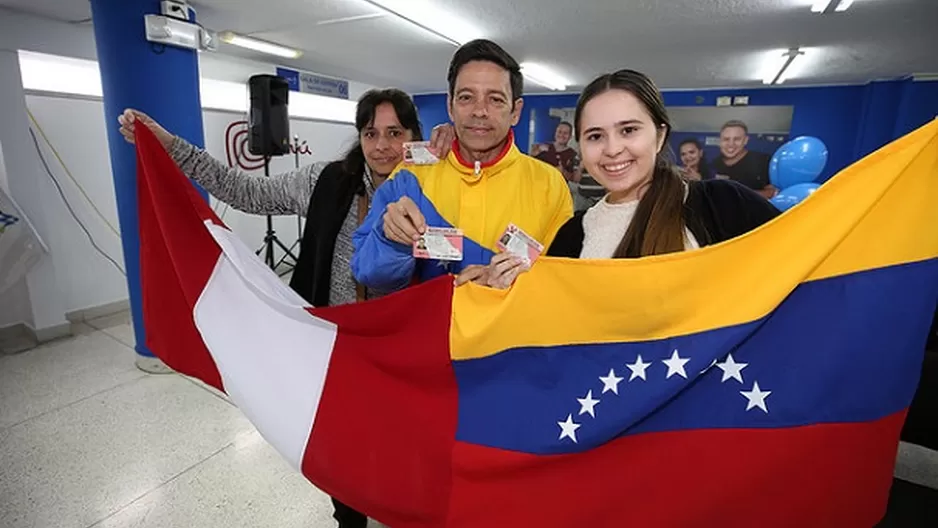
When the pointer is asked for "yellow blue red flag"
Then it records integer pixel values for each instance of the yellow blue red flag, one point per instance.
(761, 381)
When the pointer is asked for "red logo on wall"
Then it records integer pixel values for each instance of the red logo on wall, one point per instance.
(236, 148)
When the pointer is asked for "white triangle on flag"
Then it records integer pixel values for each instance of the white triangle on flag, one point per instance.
(272, 354)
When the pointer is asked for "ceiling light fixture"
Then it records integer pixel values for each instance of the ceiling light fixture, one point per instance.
(432, 19)
(262, 46)
(779, 69)
(830, 6)
(457, 32)
(344, 20)
(844, 5)
(544, 76)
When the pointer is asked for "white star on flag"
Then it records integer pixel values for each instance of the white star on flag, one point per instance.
(732, 369)
(675, 365)
(638, 368)
(587, 404)
(611, 382)
(756, 397)
(568, 428)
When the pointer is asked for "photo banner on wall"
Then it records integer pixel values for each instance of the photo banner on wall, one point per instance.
(734, 142)
(553, 142)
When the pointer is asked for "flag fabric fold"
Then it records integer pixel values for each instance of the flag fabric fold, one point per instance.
(760, 381)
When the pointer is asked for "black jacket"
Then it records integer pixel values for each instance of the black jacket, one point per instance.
(328, 207)
(714, 211)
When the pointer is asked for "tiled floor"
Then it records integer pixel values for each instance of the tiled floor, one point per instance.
(88, 440)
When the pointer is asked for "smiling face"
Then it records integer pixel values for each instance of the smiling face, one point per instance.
(690, 155)
(482, 109)
(562, 134)
(383, 140)
(733, 140)
(619, 143)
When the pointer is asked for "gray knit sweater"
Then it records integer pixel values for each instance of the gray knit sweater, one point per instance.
(287, 193)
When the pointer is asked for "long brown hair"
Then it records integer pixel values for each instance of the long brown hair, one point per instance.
(658, 224)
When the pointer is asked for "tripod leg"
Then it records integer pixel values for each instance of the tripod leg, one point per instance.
(285, 249)
(270, 255)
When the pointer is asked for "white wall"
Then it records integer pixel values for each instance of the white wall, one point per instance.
(76, 129)
(42, 296)
(75, 276)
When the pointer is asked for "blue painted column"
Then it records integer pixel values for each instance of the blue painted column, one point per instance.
(161, 81)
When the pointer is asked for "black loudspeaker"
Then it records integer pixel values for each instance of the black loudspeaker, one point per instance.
(269, 123)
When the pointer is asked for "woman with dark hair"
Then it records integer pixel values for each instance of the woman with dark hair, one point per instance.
(334, 197)
(622, 128)
(693, 161)
(331, 195)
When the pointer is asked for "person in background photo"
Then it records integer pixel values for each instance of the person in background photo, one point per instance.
(334, 197)
(693, 164)
(740, 164)
(560, 154)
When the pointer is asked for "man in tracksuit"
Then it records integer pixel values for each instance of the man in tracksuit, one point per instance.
(482, 186)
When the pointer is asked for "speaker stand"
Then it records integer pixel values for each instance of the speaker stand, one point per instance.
(270, 239)
(299, 218)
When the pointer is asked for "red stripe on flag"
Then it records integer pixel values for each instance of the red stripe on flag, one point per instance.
(386, 424)
(821, 475)
(177, 257)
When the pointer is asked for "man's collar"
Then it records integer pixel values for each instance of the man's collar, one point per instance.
(469, 164)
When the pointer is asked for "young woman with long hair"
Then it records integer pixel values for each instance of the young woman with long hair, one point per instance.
(622, 127)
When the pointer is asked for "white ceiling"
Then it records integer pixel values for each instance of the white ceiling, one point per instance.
(680, 43)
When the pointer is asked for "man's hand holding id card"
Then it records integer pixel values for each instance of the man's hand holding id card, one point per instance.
(520, 244)
(440, 243)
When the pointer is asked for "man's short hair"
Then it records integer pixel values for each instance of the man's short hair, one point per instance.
(735, 123)
(486, 50)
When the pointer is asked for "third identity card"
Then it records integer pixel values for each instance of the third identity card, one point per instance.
(520, 244)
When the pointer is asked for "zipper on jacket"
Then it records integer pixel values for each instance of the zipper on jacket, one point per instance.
(478, 167)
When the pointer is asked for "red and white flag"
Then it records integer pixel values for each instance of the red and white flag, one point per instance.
(328, 401)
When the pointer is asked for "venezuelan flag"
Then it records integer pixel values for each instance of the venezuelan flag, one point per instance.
(762, 381)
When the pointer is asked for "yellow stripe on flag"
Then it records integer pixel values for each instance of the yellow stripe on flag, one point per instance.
(876, 213)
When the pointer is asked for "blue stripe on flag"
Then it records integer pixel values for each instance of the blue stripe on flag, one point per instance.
(845, 349)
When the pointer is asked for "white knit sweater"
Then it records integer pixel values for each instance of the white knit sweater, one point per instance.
(605, 224)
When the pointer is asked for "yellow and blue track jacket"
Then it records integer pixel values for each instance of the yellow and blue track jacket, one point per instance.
(481, 199)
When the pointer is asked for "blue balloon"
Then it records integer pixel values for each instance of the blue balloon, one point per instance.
(773, 165)
(792, 196)
(783, 203)
(801, 160)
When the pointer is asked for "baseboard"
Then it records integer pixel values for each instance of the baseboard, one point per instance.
(96, 312)
(51, 333)
(17, 338)
(20, 337)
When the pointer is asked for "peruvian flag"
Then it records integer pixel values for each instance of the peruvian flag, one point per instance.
(354, 423)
